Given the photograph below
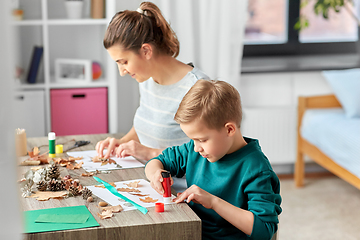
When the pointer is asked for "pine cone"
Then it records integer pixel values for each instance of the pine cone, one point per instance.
(86, 193)
(56, 185)
(53, 172)
(74, 191)
(42, 185)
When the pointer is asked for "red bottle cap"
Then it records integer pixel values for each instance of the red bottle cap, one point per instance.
(159, 207)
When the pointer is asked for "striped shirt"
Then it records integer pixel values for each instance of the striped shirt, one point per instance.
(154, 119)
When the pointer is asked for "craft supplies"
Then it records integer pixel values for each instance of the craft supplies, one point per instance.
(20, 142)
(115, 192)
(159, 207)
(166, 185)
(51, 138)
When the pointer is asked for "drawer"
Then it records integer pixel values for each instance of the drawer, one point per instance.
(29, 112)
(79, 111)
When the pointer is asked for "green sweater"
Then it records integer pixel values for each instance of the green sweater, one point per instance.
(243, 178)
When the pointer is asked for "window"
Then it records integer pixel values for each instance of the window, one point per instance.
(270, 29)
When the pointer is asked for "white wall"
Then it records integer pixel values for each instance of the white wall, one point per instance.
(269, 103)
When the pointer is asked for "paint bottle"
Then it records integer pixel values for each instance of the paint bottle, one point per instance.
(166, 185)
(51, 138)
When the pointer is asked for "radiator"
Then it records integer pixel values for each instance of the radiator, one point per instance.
(275, 128)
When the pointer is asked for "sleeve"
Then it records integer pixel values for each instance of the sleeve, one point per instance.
(264, 202)
(174, 159)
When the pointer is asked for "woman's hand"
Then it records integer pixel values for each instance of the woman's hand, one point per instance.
(197, 195)
(156, 181)
(137, 150)
(110, 143)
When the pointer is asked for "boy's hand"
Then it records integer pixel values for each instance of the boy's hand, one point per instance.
(157, 179)
(197, 195)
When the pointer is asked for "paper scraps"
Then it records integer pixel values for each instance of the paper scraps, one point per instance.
(107, 212)
(46, 195)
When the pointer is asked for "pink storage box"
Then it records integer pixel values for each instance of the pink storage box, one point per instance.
(79, 111)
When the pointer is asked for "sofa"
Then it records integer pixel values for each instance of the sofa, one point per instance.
(329, 128)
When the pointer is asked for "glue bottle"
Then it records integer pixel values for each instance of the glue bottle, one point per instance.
(166, 185)
(51, 137)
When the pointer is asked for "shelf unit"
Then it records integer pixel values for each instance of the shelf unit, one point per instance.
(45, 24)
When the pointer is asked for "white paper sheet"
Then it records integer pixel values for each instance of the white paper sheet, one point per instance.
(143, 186)
(90, 166)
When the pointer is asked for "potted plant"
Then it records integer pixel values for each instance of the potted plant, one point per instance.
(322, 7)
(74, 8)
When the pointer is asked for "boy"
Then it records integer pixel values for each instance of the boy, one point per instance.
(233, 188)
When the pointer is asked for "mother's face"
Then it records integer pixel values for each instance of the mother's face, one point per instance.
(130, 62)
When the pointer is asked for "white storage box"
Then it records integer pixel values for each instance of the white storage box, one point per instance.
(29, 112)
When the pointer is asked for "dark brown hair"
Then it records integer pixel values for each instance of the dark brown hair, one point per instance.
(131, 29)
(213, 102)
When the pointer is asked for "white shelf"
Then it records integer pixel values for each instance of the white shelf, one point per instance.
(64, 38)
(83, 21)
(27, 23)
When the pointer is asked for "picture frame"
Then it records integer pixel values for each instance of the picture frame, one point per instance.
(73, 70)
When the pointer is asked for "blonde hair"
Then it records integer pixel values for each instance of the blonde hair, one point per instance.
(131, 29)
(211, 101)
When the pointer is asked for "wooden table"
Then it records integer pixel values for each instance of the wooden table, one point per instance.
(177, 222)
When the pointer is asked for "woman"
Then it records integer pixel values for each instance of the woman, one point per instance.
(144, 46)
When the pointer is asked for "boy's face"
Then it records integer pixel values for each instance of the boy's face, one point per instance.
(210, 143)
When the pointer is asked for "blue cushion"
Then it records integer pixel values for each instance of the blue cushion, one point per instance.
(346, 87)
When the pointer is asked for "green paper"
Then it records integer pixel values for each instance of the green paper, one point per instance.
(31, 226)
(62, 218)
(115, 192)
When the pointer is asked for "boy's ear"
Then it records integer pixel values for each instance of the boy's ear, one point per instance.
(146, 50)
(230, 128)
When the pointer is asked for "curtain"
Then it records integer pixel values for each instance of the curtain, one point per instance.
(210, 34)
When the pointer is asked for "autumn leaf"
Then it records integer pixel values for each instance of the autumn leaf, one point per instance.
(113, 209)
(46, 195)
(148, 200)
(105, 214)
(88, 174)
(132, 184)
(139, 194)
(102, 186)
(128, 190)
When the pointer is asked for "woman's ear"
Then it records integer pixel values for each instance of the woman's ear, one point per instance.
(146, 50)
(230, 128)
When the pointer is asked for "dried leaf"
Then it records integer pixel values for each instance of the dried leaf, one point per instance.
(132, 184)
(36, 168)
(113, 209)
(105, 214)
(88, 174)
(46, 195)
(72, 159)
(128, 190)
(96, 159)
(102, 186)
(70, 166)
(78, 165)
(36, 151)
(139, 194)
(30, 163)
(111, 161)
(148, 200)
